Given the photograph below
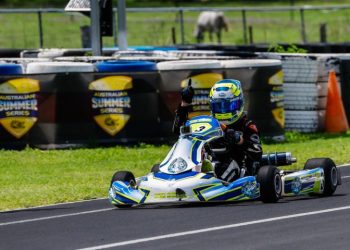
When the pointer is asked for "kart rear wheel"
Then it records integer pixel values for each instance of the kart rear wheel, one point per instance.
(126, 176)
(270, 182)
(330, 173)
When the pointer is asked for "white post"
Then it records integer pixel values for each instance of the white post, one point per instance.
(95, 28)
(122, 40)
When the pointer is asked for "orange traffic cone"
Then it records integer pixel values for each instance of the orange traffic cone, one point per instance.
(336, 120)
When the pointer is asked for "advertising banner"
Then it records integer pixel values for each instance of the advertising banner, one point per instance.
(18, 105)
(27, 115)
(111, 106)
(124, 107)
(70, 109)
(78, 109)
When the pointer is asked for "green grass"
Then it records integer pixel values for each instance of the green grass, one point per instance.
(63, 30)
(305, 146)
(33, 177)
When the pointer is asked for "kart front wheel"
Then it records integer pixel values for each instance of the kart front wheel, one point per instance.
(270, 182)
(330, 173)
(125, 176)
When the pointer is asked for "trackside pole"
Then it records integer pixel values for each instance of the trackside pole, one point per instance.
(122, 41)
(95, 28)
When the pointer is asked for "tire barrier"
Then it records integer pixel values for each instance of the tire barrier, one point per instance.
(262, 82)
(87, 59)
(202, 55)
(107, 106)
(52, 53)
(57, 103)
(248, 69)
(9, 53)
(305, 89)
(305, 92)
(23, 61)
(125, 66)
(305, 121)
(124, 100)
(14, 122)
(67, 104)
(304, 96)
(58, 67)
(152, 49)
(11, 69)
(189, 64)
(86, 100)
(62, 114)
(154, 56)
(18, 109)
(84, 107)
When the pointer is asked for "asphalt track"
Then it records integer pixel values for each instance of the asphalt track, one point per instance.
(293, 223)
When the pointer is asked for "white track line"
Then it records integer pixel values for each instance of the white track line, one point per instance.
(210, 229)
(55, 217)
(344, 165)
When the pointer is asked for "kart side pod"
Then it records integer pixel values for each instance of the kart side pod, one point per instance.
(319, 176)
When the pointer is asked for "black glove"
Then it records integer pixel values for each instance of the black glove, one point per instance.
(232, 136)
(187, 93)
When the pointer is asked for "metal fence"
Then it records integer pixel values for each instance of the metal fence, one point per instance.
(32, 28)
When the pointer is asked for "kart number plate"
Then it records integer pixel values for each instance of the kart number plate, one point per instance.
(200, 127)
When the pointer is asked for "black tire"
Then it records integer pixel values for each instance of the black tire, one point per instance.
(330, 173)
(270, 182)
(155, 168)
(124, 176)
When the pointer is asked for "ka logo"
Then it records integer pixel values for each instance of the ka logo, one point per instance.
(111, 102)
(18, 105)
(201, 84)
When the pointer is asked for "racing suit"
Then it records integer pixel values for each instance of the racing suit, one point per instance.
(237, 151)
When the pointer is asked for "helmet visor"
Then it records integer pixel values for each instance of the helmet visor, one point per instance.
(221, 106)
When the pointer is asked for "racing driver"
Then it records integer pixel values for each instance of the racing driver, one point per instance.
(239, 152)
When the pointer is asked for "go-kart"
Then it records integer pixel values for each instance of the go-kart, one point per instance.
(186, 174)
